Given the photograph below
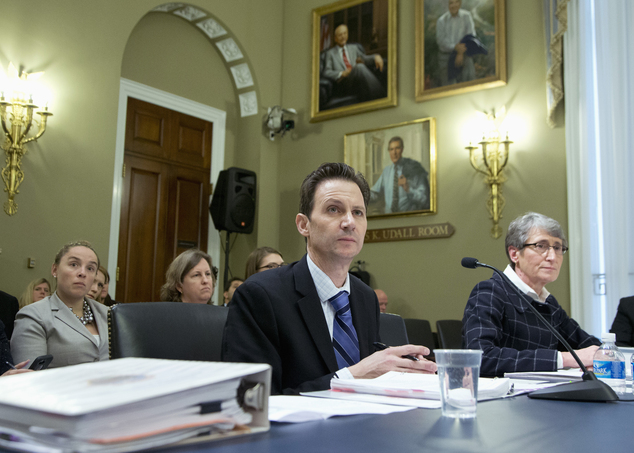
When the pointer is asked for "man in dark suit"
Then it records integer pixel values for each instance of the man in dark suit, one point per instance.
(293, 317)
(9, 307)
(623, 325)
(345, 65)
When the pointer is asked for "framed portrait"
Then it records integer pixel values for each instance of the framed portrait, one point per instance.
(354, 58)
(399, 163)
(460, 46)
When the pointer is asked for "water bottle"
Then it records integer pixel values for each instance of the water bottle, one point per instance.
(609, 363)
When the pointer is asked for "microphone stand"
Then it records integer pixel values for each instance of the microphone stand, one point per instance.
(589, 389)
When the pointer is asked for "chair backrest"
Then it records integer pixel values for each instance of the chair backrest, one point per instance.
(419, 332)
(449, 334)
(392, 330)
(167, 330)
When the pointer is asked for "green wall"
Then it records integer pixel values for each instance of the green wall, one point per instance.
(85, 47)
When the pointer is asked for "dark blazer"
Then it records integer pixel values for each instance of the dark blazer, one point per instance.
(9, 307)
(5, 351)
(623, 325)
(510, 336)
(275, 317)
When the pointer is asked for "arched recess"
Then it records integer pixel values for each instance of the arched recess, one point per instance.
(237, 65)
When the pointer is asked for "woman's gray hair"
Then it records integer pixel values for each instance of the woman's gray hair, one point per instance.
(179, 268)
(521, 228)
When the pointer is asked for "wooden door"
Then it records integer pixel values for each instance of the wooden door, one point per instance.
(164, 206)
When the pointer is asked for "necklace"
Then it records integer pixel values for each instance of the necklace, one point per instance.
(88, 315)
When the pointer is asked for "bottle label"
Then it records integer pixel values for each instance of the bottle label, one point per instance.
(609, 370)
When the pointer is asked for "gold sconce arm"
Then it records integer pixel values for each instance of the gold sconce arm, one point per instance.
(495, 155)
(17, 121)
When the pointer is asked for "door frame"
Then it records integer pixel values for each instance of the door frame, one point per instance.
(129, 88)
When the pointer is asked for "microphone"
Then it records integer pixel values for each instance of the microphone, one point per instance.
(590, 388)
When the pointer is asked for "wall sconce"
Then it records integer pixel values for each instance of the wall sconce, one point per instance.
(491, 162)
(16, 110)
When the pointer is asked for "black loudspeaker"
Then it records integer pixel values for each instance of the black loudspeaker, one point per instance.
(233, 204)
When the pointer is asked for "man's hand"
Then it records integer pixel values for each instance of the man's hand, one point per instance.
(344, 74)
(402, 181)
(20, 369)
(461, 48)
(390, 359)
(378, 62)
(586, 355)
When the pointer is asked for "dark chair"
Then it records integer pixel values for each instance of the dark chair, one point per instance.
(449, 334)
(331, 96)
(419, 332)
(392, 330)
(166, 330)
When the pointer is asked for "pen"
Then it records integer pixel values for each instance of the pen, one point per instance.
(12, 367)
(381, 346)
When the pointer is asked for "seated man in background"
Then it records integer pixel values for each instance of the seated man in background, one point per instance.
(231, 287)
(623, 325)
(382, 298)
(311, 320)
(499, 323)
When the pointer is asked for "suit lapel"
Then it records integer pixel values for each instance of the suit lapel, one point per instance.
(64, 314)
(313, 314)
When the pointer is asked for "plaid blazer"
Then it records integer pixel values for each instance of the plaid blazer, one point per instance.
(511, 337)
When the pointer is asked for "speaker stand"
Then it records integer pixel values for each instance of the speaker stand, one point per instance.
(227, 259)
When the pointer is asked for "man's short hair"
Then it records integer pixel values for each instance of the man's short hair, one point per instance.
(396, 139)
(234, 279)
(520, 229)
(325, 172)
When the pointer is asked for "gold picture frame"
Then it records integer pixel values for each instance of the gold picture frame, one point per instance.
(376, 154)
(367, 85)
(439, 71)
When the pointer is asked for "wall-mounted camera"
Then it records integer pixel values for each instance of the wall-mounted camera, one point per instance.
(278, 121)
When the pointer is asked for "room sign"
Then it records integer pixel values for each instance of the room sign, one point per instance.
(409, 233)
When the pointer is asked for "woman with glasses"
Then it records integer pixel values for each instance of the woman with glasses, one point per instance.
(263, 259)
(499, 323)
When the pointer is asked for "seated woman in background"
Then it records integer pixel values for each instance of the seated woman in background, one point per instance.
(190, 278)
(38, 289)
(67, 324)
(105, 297)
(623, 324)
(263, 259)
(98, 284)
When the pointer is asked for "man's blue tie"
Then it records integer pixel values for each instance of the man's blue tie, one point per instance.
(344, 337)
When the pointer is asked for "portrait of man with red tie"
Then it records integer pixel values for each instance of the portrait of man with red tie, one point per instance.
(311, 320)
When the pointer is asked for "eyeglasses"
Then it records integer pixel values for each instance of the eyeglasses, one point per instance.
(544, 247)
(271, 266)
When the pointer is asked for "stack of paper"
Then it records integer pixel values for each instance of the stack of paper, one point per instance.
(414, 385)
(127, 404)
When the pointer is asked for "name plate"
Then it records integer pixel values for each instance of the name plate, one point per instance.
(438, 230)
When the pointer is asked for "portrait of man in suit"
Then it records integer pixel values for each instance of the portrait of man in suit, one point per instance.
(354, 58)
(400, 162)
(351, 70)
(459, 45)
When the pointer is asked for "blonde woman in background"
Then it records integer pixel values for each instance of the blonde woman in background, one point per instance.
(38, 289)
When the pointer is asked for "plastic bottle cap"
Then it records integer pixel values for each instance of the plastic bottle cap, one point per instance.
(608, 337)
